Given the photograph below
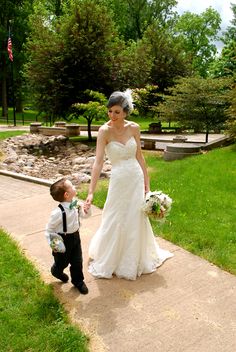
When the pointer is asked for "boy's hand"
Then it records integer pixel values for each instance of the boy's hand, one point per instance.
(86, 210)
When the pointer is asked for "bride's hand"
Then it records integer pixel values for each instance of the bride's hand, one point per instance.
(88, 203)
(146, 188)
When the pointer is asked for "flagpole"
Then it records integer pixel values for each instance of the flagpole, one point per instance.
(13, 95)
(12, 83)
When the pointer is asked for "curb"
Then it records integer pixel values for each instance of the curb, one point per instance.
(23, 177)
(4, 128)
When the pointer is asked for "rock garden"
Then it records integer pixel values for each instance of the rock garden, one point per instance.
(49, 157)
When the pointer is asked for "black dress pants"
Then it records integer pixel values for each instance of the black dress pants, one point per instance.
(72, 256)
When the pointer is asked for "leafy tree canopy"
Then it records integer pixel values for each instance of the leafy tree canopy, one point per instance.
(169, 60)
(225, 64)
(93, 109)
(132, 17)
(198, 103)
(14, 16)
(70, 54)
(231, 111)
(198, 33)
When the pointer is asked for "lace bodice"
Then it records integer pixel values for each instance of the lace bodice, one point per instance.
(117, 151)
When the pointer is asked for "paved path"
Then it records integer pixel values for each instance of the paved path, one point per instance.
(187, 305)
(194, 137)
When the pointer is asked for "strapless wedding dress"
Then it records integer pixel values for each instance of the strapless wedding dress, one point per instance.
(124, 244)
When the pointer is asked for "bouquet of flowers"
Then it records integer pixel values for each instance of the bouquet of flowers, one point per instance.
(157, 205)
(57, 243)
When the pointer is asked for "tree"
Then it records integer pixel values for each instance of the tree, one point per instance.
(225, 64)
(133, 17)
(198, 33)
(44, 66)
(94, 109)
(79, 51)
(146, 100)
(230, 33)
(70, 54)
(14, 15)
(131, 65)
(168, 59)
(231, 112)
(198, 103)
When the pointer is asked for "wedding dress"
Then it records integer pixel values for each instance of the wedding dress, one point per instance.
(124, 244)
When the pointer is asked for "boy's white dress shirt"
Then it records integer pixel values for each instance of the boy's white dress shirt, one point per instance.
(55, 223)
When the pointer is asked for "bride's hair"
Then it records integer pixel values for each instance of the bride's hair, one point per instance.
(123, 99)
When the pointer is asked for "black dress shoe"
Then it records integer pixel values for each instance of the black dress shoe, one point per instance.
(82, 288)
(63, 277)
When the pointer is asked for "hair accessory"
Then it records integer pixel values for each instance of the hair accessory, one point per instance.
(128, 96)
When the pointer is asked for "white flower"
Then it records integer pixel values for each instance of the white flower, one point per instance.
(57, 243)
(157, 205)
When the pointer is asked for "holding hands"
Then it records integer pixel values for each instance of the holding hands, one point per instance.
(88, 203)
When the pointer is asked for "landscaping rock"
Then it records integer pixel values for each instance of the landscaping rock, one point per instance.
(49, 157)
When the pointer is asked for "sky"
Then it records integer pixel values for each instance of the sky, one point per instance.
(199, 6)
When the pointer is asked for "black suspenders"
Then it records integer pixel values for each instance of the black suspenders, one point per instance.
(63, 218)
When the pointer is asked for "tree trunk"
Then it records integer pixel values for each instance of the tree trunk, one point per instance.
(19, 106)
(4, 88)
(18, 96)
(89, 130)
(207, 133)
(58, 9)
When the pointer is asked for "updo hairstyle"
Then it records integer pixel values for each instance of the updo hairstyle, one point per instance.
(123, 99)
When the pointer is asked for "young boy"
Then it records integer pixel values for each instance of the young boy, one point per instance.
(64, 221)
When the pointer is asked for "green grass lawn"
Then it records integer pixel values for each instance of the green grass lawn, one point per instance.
(29, 116)
(24, 118)
(203, 215)
(32, 319)
(8, 134)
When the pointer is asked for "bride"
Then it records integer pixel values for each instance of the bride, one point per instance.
(124, 244)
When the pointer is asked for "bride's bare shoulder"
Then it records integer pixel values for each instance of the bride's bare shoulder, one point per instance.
(104, 127)
(133, 125)
(103, 131)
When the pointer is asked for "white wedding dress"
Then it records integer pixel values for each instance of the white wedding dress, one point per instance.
(124, 244)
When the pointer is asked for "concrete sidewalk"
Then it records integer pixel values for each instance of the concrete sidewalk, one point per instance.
(187, 305)
(192, 137)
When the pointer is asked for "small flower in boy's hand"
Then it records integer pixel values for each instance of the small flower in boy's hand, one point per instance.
(57, 243)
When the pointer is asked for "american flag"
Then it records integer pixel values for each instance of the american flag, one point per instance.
(9, 49)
